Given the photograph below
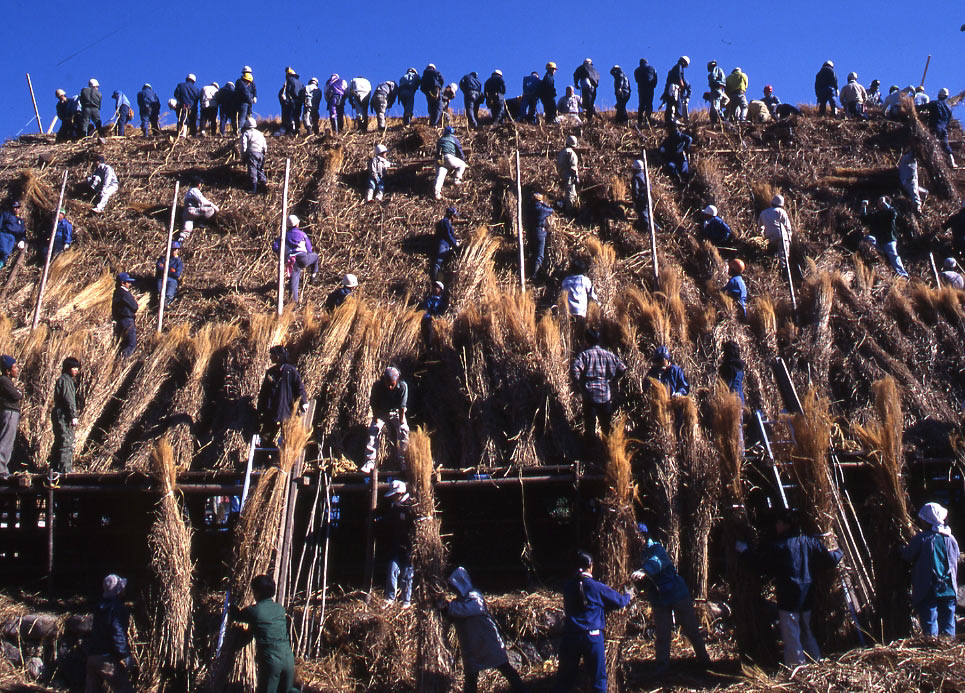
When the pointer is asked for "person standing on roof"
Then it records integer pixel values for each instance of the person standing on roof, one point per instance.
(449, 157)
(310, 98)
(103, 183)
(540, 222)
(775, 226)
(934, 555)
(735, 87)
(532, 90)
(585, 605)
(90, 103)
(109, 657)
(379, 166)
(446, 242)
(547, 93)
(674, 149)
(569, 107)
(790, 559)
(675, 90)
(227, 102)
(883, 232)
(479, 639)
(714, 228)
(68, 112)
(298, 254)
(939, 117)
(167, 291)
(735, 287)
(472, 98)
(341, 294)
(209, 109)
(448, 94)
(335, 89)
(892, 102)
(388, 401)
(494, 92)
(826, 88)
(122, 111)
(408, 86)
(646, 79)
(123, 310)
(665, 371)
(716, 84)
(13, 230)
(431, 85)
(383, 99)
(950, 274)
(63, 417)
(149, 109)
(254, 146)
(246, 94)
(63, 237)
(873, 101)
(293, 99)
(11, 402)
(853, 97)
(908, 177)
(731, 371)
(921, 97)
(586, 78)
(579, 292)
(359, 95)
(568, 169)
(280, 389)
(640, 194)
(399, 519)
(595, 372)
(670, 600)
(268, 624)
(621, 91)
(188, 97)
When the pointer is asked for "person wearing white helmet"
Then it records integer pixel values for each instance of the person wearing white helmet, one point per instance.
(103, 183)
(494, 91)
(586, 78)
(472, 97)
(568, 168)
(254, 147)
(408, 86)
(775, 226)
(383, 98)
(950, 274)
(621, 92)
(908, 177)
(359, 94)
(68, 111)
(209, 108)
(853, 97)
(349, 283)
(109, 659)
(939, 116)
(188, 97)
(149, 109)
(736, 90)
(934, 555)
(311, 98)
(388, 401)
(921, 96)
(398, 520)
(714, 228)
(826, 88)
(676, 91)
(379, 165)
(197, 207)
(431, 85)
(298, 254)
(90, 103)
(640, 195)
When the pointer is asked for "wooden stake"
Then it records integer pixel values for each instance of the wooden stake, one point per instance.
(34, 99)
(925, 73)
(519, 223)
(162, 298)
(50, 250)
(934, 269)
(52, 123)
(284, 240)
(369, 578)
(653, 232)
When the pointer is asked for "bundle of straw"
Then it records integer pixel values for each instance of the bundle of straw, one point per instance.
(429, 556)
(171, 653)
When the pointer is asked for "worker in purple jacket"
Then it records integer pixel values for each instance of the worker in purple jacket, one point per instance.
(298, 254)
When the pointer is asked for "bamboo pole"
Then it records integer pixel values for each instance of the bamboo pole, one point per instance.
(52, 123)
(653, 232)
(925, 73)
(34, 99)
(787, 268)
(519, 222)
(368, 579)
(50, 250)
(934, 269)
(162, 297)
(281, 246)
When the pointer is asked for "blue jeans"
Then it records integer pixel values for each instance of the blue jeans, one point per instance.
(528, 108)
(574, 647)
(435, 109)
(399, 564)
(123, 118)
(127, 333)
(890, 251)
(244, 110)
(172, 289)
(539, 249)
(937, 615)
(302, 260)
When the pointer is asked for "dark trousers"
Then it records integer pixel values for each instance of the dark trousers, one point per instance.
(435, 109)
(256, 169)
(597, 411)
(302, 260)
(538, 244)
(171, 290)
(515, 682)
(589, 102)
(853, 109)
(66, 131)
(549, 110)
(228, 115)
(644, 105)
(276, 673)
(529, 108)
(90, 121)
(126, 332)
(209, 119)
(188, 116)
(581, 646)
(497, 107)
(244, 110)
(443, 251)
(62, 452)
(622, 116)
(123, 118)
(408, 103)
(472, 100)
(826, 99)
(150, 121)
(941, 132)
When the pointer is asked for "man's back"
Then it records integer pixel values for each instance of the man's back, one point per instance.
(269, 624)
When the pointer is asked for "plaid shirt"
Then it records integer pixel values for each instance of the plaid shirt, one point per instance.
(594, 369)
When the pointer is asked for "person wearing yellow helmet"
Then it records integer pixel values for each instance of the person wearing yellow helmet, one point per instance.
(547, 92)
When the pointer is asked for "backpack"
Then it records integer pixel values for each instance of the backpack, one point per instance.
(941, 573)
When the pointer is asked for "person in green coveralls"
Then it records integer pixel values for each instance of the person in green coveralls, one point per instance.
(268, 624)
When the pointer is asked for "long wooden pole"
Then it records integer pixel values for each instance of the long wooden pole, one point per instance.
(50, 251)
(653, 232)
(284, 240)
(934, 269)
(925, 73)
(162, 298)
(519, 222)
(787, 267)
(34, 99)
(368, 579)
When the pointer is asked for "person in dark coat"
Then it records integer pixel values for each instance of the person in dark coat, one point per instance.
(339, 296)
(676, 91)
(664, 370)
(11, 401)
(934, 555)
(293, 101)
(621, 91)
(435, 304)
(63, 417)
(532, 86)
(539, 228)
(398, 519)
(149, 109)
(674, 149)
(446, 241)
(268, 626)
(646, 79)
(826, 88)
(280, 389)
(641, 195)
(547, 93)
(246, 95)
(594, 372)
(175, 270)
(63, 237)
(791, 559)
(188, 97)
(388, 401)
(731, 369)
(472, 98)
(714, 228)
(479, 639)
(408, 85)
(68, 110)
(227, 108)
(939, 116)
(90, 105)
(123, 310)
(12, 231)
(108, 649)
(431, 85)
(735, 286)
(586, 78)
(494, 91)
(585, 604)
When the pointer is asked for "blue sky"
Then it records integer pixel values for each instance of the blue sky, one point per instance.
(62, 44)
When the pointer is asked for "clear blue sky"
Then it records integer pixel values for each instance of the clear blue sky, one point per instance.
(126, 44)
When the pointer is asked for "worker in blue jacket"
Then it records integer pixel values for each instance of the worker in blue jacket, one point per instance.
(731, 369)
(431, 85)
(63, 237)
(246, 95)
(108, 648)
(408, 86)
(122, 111)
(547, 92)
(446, 241)
(676, 91)
(586, 78)
(12, 231)
(494, 91)
(646, 79)
(227, 108)
(149, 109)
(674, 149)
(585, 605)
(667, 372)
(539, 222)
(472, 98)
(669, 598)
(640, 195)
(292, 116)
(934, 554)
(735, 287)
(532, 89)
(713, 227)
(68, 111)
(939, 116)
(188, 97)
(175, 270)
(621, 90)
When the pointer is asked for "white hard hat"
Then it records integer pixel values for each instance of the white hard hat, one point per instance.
(828, 63)
(397, 488)
(60, 92)
(588, 61)
(172, 104)
(215, 85)
(638, 165)
(292, 220)
(245, 69)
(350, 281)
(381, 149)
(949, 263)
(943, 93)
(498, 72)
(684, 59)
(571, 141)
(737, 69)
(777, 201)
(710, 211)
(93, 83)
(313, 80)
(252, 122)
(191, 78)
(852, 76)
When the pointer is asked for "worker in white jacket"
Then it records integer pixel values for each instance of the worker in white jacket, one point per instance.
(253, 150)
(103, 183)
(311, 98)
(209, 108)
(776, 227)
(196, 207)
(359, 93)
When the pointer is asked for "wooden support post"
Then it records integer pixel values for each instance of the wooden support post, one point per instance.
(162, 298)
(284, 240)
(934, 269)
(33, 98)
(52, 123)
(519, 222)
(653, 232)
(283, 563)
(50, 537)
(925, 73)
(50, 251)
(787, 268)
(369, 577)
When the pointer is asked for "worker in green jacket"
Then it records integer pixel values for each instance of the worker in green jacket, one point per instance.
(268, 624)
(64, 417)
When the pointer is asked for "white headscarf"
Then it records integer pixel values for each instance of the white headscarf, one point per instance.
(113, 586)
(935, 515)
